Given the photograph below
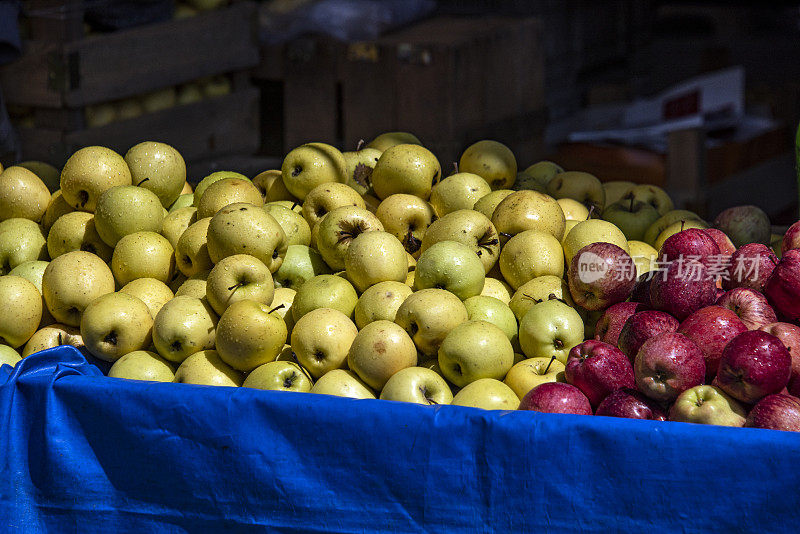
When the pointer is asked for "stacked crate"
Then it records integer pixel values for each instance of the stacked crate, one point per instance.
(63, 73)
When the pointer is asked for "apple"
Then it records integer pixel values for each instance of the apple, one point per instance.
(418, 385)
(57, 207)
(538, 290)
(641, 326)
(580, 186)
(310, 165)
(374, 257)
(143, 255)
(278, 376)
(406, 168)
(300, 264)
(491, 160)
(115, 324)
(125, 209)
(389, 139)
(325, 291)
(206, 368)
(206, 182)
(271, 185)
(528, 210)
(486, 394)
(152, 292)
(184, 201)
(529, 373)
(49, 175)
(321, 340)
(751, 307)
(783, 286)
(610, 323)
(726, 247)
(53, 335)
(142, 365)
(327, 197)
(492, 310)
(236, 278)
(789, 335)
(750, 266)
(470, 228)
(246, 229)
(632, 217)
(407, 217)
(176, 222)
(666, 220)
(21, 240)
(791, 239)
(159, 168)
(753, 365)
(600, 274)
(191, 250)
(458, 192)
(338, 229)
(249, 335)
(744, 224)
(72, 281)
(684, 288)
(184, 326)
(8, 356)
(542, 172)
(630, 404)
(777, 412)
(531, 254)
(592, 231)
(711, 328)
(380, 302)
(341, 383)
(499, 289)
(23, 195)
(76, 231)
(360, 164)
(707, 405)
(21, 312)
(378, 351)
(676, 228)
(451, 266)
(573, 210)
(556, 397)
(487, 204)
(653, 195)
(297, 230)
(692, 243)
(616, 190)
(474, 350)
(428, 315)
(550, 328)
(667, 365)
(90, 171)
(598, 369)
(226, 192)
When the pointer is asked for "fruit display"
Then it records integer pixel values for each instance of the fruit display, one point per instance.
(372, 274)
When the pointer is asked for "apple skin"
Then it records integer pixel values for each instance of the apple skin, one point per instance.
(556, 397)
(791, 239)
(750, 266)
(711, 328)
(783, 287)
(630, 404)
(789, 335)
(684, 288)
(776, 412)
(610, 323)
(594, 291)
(667, 365)
(693, 242)
(598, 369)
(744, 224)
(726, 246)
(641, 289)
(753, 365)
(640, 327)
(751, 307)
(707, 405)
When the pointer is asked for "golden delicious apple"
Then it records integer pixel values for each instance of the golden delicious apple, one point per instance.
(538, 290)
(418, 385)
(238, 277)
(491, 160)
(142, 365)
(653, 195)
(176, 222)
(390, 139)
(529, 373)
(246, 229)
(206, 368)
(428, 316)
(154, 293)
(359, 168)
(474, 350)
(89, 172)
(407, 217)
(470, 228)
(617, 190)
(226, 192)
(380, 350)
(529, 210)
(342, 383)
(310, 165)
(671, 217)
(409, 169)
(542, 172)
(580, 186)
(297, 230)
(487, 204)
(300, 264)
(374, 257)
(531, 254)
(324, 291)
(248, 335)
(143, 255)
(191, 252)
(321, 340)
(338, 229)
(185, 200)
(487, 394)
(452, 266)
(57, 207)
(499, 289)
(22, 195)
(592, 231)
(206, 182)
(21, 312)
(676, 227)
(158, 167)
(8, 356)
(123, 210)
(115, 324)
(278, 376)
(21, 240)
(184, 326)
(46, 173)
(327, 197)
(380, 302)
(271, 185)
(458, 192)
(72, 281)
(573, 210)
(644, 256)
(550, 328)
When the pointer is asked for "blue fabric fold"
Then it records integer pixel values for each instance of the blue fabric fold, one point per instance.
(83, 452)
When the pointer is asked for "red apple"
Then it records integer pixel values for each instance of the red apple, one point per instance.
(751, 307)
(750, 266)
(791, 239)
(726, 246)
(631, 404)
(789, 335)
(692, 243)
(667, 365)
(556, 397)
(641, 289)
(599, 275)
(610, 323)
(711, 328)
(783, 287)
(640, 327)
(777, 412)
(597, 369)
(683, 288)
(753, 365)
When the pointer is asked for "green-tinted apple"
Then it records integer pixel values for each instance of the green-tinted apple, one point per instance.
(183, 326)
(487, 394)
(142, 365)
(327, 197)
(325, 291)
(550, 328)
(76, 231)
(406, 168)
(321, 340)
(418, 385)
(154, 293)
(123, 210)
(493, 311)
(390, 139)
(469, 227)
(529, 210)
(206, 368)
(310, 165)
(474, 350)
(176, 222)
(21, 312)
(297, 230)
(380, 350)
(239, 277)
(206, 182)
(143, 255)
(458, 192)
(338, 229)
(531, 254)
(246, 229)
(248, 335)
(529, 373)
(72, 281)
(225, 192)
(428, 316)
(89, 172)
(341, 383)
(278, 376)
(116, 324)
(22, 195)
(375, 257)
(159, 168)
(380, 302)
(21, 240)
(491, 160)
(53, 335)
(451, 266)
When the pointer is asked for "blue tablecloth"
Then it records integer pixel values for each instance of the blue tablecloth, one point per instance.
(81, 452)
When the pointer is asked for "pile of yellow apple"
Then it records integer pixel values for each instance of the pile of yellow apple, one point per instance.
(361, 274)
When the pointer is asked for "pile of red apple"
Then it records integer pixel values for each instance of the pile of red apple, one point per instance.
(372, 274)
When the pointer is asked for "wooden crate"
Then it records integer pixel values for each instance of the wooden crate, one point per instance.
(449, 80)
(99, 68)
(216, 126)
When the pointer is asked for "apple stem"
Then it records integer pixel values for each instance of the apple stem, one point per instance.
(278, 307)
(591, 211)
(455, 167)
(236, 286)
(143, 181)
(60, 342)
(682, 223)
(552, 359)
(294, 357)
(360, 144)
(294, 205)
